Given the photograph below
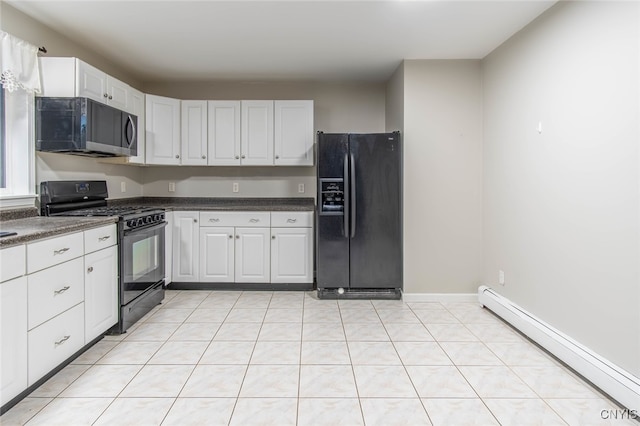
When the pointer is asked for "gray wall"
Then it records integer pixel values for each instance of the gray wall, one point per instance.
(442, 176)
(57, 166)
(561, 207)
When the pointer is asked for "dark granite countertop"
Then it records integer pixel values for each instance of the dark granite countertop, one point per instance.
(33, 228)
(233, 204)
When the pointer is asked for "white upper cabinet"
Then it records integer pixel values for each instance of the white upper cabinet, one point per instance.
(136, 105)
(224, 133)
(66, 77)
(163, 130)
(194, 133)
(293, 137)
(257, 133)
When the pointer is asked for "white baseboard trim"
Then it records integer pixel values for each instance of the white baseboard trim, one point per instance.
(439, 297)
(613, 380)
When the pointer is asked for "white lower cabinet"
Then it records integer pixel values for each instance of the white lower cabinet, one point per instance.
(217, 254)
(253, 252)
(186, 242)
(60, 287)
(100, 291)
(54, 341)
(13, 338)
(291, 255)
(243, 247)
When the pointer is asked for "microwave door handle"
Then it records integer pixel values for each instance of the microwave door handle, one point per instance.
(131, 140)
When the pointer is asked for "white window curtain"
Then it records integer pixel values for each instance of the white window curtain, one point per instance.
(20, 79)
(19, 65)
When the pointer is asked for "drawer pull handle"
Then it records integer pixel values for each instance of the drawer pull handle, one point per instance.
(61, 251)
(291, 220)
(90, 269)
(214, 219)
(106, 237)
(62, 290)
(254, 220)
(64, 339)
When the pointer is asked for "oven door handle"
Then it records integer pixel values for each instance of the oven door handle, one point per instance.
(146, 228)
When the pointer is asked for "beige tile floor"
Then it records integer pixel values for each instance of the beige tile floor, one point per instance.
(286, 358)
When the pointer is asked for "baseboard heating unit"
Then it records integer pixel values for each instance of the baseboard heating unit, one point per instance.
(613, 380)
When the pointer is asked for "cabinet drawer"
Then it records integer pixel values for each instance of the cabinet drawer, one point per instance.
(55, 290)
(54, 341)
(99, 238)
(245, 219)
(12, 262)
(292, 219)
(46, 253)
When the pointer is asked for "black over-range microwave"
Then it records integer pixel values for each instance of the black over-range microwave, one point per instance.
(82, 126)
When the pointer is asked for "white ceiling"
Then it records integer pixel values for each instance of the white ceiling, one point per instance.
(282, 40)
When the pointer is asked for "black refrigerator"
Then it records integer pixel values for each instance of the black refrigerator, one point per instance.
(359, 230)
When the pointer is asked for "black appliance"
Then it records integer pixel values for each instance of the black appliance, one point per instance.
(82, 126)
(359, 232)
(141, 242)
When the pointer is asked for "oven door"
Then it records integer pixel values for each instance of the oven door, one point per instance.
(141, 260)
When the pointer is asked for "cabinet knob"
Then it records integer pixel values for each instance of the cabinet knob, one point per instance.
(237, 237)
(195, 220)
(177, 156)
(90, 269)
(110, 97)
(277, 156)
(237, 157)
(105, 95)
(243, 156)
(273, 237)
(230, 236)
(204, 156)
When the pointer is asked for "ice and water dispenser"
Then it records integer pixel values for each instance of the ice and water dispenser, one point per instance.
(332, 194)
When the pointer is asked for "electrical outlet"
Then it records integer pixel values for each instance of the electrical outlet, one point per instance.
(501, 277)
(301, 188)
(123, 186)
(172, 187)
(236, 187)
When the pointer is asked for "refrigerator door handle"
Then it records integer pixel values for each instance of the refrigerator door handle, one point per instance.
(345, 197)
(352, 195)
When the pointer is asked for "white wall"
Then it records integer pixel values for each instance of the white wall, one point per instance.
(562, 207)
(352, 107)
(442, 176)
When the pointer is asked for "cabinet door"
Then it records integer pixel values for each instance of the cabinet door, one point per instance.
(91, 82)
(13, 335)
(100, 292)
(117, 92)
(217, 254)
(291, 255)
(163, 130)
(194, 133)
(135, 104)
(293, 134)
(224, 133)
(257, 133)
(252, 255)
(186, 250)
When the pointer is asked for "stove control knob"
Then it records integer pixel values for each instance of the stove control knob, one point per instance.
(140, 222)
(148, 219)
(131, 223)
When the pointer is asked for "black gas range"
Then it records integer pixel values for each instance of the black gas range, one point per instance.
(141, 241)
